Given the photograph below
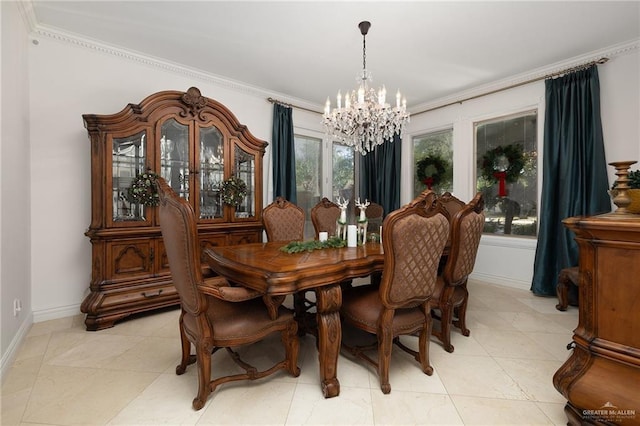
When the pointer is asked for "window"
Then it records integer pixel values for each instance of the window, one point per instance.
(308, 176)
(433, 167)
(507, 164)
(311, 184)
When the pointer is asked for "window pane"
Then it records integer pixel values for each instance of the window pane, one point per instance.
(343, 179)
(433, 154)
(507, 160)
(308, 177)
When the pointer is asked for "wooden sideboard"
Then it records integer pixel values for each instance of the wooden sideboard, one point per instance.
(601, 378)
(195, 143)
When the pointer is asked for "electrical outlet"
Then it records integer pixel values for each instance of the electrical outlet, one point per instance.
(17, 307)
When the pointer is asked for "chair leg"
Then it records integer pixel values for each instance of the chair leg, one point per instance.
(461, 310)
(561, 290)
(385, 343)
(203, 355)
(423, 344)
(292, 346)
(300, 312)
(187, 358)
(446, 313)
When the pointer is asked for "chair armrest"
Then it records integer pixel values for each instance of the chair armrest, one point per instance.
(220, 288)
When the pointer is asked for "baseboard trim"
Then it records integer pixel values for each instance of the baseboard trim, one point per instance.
(501, 281)
(10, 354)
(56, 313)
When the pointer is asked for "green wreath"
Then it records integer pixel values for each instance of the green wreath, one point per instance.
(505, 158)
(431, 169)
(233, 191)
(143, 189)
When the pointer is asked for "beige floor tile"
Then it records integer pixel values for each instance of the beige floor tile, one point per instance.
(165, 401)
(309, 407)
(414, 408)
(554, 411)
(531, 322)
(261, 402)
(555, 343)
(66, 395)
(475, 376)
(490, 411)
(13, 406)
(511, 344)
(527, 373)
(125, 375)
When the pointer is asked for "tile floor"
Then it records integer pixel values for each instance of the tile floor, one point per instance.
(125, 375)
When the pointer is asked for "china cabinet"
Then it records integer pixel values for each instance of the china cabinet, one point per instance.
(196, 144)
(601, 378)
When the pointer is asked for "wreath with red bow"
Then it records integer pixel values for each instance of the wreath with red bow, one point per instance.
(507, 159)
(431, 169)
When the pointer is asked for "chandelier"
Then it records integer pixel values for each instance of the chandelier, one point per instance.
(365, 120)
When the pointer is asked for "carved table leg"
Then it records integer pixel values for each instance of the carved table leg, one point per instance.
(329, 300)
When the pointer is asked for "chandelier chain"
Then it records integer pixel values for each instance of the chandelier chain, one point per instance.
(364, 52)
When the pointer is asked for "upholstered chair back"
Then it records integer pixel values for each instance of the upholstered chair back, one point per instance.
(324, 216)
(283, 221)
(414, 238)
(179, 235)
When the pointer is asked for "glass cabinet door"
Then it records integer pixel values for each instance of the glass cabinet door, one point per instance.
(127, 161)
(211, 173)
(244, 169)
(174, 156)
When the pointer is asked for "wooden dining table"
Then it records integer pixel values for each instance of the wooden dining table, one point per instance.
(267, 269)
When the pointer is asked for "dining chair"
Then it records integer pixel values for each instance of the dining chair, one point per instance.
(414, 237)
(283, 221)
(215, 314)
(375, 215)
(450, 205)
(451, 290)
(324, 216)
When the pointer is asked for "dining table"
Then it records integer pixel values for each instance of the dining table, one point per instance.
(273, 272)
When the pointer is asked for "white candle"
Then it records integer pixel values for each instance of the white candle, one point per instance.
(352, 236)
(323, 236)
(339, 99)
(327, 107)
(398, 99)
(361, 95)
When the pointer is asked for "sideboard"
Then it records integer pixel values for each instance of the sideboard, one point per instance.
(601, 377)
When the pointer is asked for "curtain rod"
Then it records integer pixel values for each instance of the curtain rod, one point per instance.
(513, 86)
(275, 101)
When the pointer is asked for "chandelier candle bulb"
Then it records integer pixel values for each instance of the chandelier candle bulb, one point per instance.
(339, 99)
(398, 96)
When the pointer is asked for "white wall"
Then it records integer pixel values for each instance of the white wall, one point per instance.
(15, 277)
(67, 81)
(509, 260)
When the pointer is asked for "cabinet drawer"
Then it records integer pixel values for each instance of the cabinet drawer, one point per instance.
(140, 296)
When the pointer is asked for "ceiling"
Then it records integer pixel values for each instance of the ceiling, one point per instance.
(308, 50)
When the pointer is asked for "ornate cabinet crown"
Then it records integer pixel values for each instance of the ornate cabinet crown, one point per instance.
(197, 145)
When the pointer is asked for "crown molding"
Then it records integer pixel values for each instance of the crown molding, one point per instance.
(38, 30)
(530, 76)
(162, 64)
